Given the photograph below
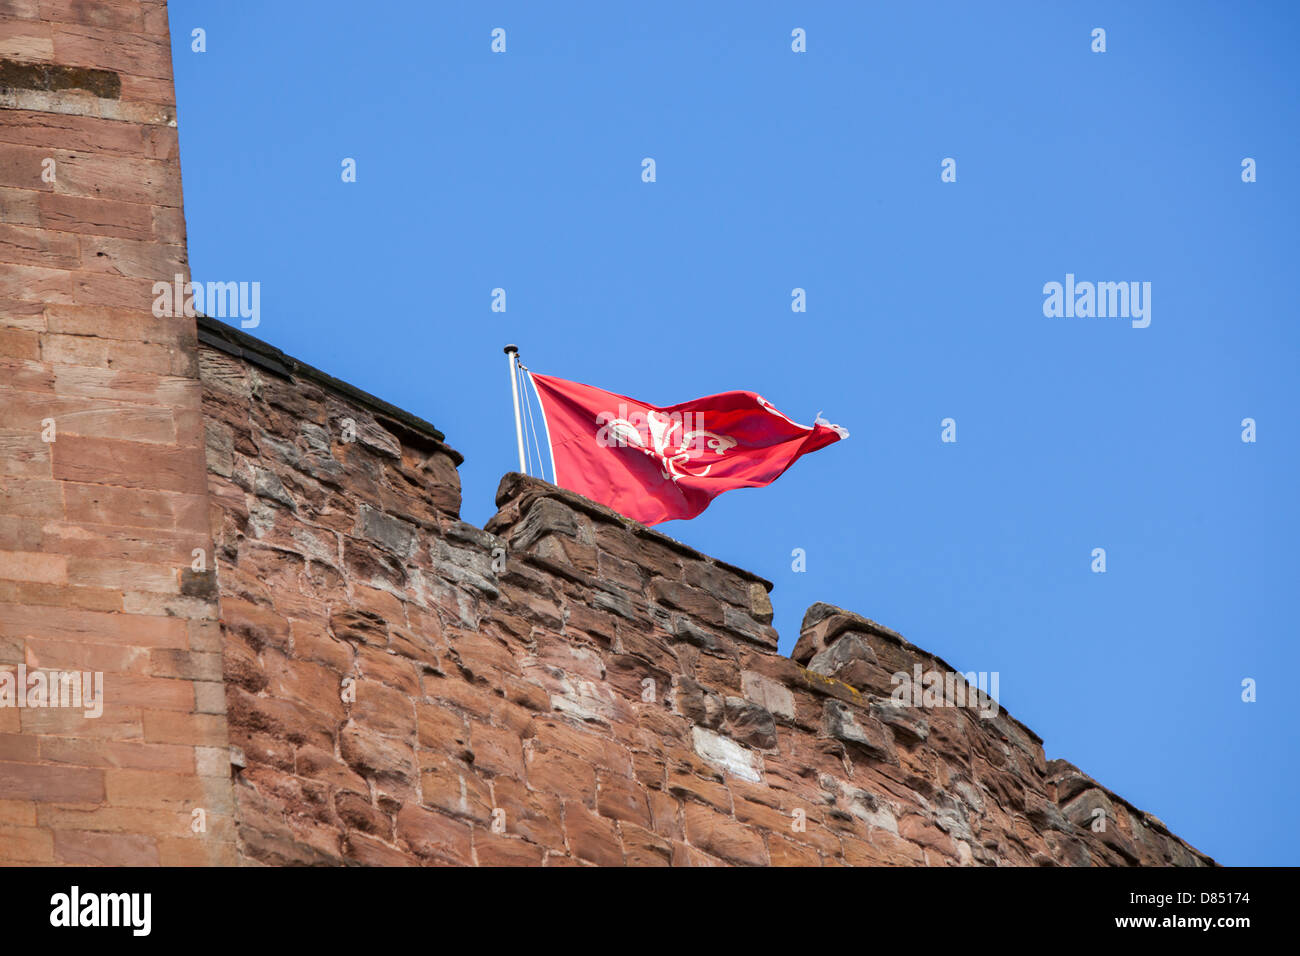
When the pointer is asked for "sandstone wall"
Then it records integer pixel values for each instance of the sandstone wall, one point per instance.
(103, 489)
(567, 687)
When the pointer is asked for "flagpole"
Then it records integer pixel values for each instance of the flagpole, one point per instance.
(512, 357)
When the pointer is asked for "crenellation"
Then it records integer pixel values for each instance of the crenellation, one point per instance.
(618, 698)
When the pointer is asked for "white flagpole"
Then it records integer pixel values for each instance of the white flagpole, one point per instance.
(512, 357)
(555, 479)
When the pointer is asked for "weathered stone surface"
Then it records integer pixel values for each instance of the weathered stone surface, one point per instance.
(849, 658)
(391, 534)
(750, 724)
(724, 838)
(860, 730)
(727, 755)
(699, 704)
(823, 623)
(906, 722)
(771, 695)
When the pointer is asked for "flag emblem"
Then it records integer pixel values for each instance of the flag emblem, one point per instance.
(656, 464)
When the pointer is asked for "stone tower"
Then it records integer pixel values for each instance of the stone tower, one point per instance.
(103, 484)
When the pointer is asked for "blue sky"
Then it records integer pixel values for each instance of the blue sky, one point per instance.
(821, 171)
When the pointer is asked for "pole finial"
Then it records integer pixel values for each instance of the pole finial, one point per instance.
(511, 348)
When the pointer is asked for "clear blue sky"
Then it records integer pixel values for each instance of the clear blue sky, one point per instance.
(821, 170)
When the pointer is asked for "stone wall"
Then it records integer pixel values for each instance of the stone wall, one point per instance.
(568, 687)
(103, 489)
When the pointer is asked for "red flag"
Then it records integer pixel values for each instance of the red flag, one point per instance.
(655, 464)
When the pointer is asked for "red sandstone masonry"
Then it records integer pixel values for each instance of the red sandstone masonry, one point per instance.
(568, 687)
(97, 528)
